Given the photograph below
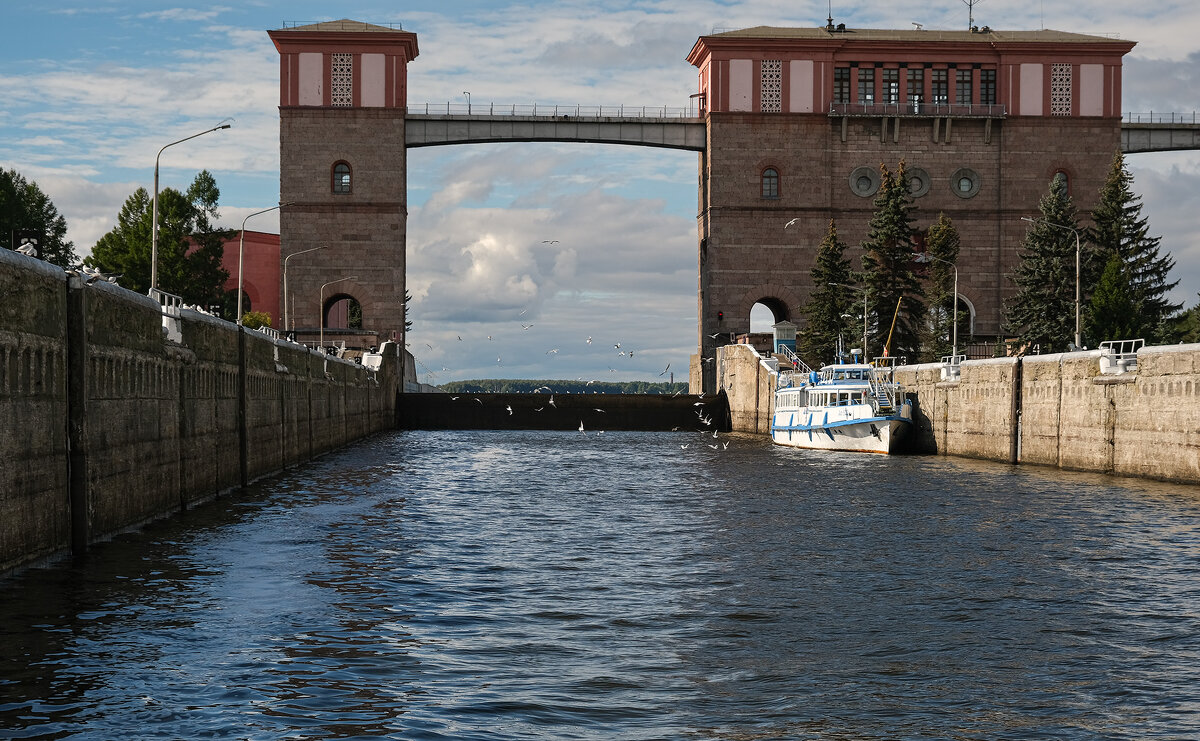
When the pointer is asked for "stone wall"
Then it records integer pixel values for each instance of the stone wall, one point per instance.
(1053, 410)
(108, 425)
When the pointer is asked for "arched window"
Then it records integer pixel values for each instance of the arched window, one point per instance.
(770, 183)
(341, 178)
(1064, 177)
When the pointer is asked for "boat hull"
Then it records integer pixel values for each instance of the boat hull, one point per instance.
(874, 435)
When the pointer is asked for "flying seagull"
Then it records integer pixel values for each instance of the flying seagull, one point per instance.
(793, 221)
(665, 370)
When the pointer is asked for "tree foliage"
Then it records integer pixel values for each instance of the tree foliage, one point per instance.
(1042, 312)
(1113, 314)
(1122, 232)
(941, 252)
(830, 309)
(26, 210)
(189, 244)
(895, 290)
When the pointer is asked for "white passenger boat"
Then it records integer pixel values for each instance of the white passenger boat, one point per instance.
(852, 406)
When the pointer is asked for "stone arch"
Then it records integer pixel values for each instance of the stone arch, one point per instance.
(784, 302)
(342, 311)
(970, 306)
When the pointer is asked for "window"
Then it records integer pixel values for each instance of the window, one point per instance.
(866, 86)
(771, 86)
(341, 178)
(987, 86)
(916, 88)
(941, 86)
(770, 183)
(891, 86)
(341, 87)
(1060, 90)
(841, 85)
(1065, 179)
(962, 87)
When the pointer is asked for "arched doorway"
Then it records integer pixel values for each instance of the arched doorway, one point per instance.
(343, 311)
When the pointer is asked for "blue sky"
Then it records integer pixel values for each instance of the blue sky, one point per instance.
(92, 90)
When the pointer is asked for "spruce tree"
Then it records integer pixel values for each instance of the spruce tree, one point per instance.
(1121, 230)
(26, 211)
(895, 290)
(941, 248)
(830, 303)
(1112, 314)
(1042, 312)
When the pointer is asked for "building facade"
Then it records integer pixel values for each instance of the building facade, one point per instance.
(342, 176)
(800, 120)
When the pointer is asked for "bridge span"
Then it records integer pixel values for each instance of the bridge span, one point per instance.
(678, 128)
(662, 127)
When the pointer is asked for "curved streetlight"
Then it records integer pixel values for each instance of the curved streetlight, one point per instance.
(1073, 230)
(468, 101)
(154, 208)
(926, 257)
(285, 290)
(321, 307)
(864, 290)
(242, 253)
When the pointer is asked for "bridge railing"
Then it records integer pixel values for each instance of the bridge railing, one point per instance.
(1162, 118)
(551, 110)
(981, 110)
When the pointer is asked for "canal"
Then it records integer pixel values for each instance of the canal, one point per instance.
(624, 585)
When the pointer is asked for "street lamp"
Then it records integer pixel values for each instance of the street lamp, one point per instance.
(864, 290)
(1073, 230)
(321, 307)
(242, 253)
(468, 101)
(285, 291)
(154, 208)
(924, 257)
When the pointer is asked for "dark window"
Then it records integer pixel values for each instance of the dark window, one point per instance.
(941, 87)
(770, 183)
(866, 86)
(916, 88)
(962, 87)
(987, 86)
(841, 85)
(891, 86)
(341, 178)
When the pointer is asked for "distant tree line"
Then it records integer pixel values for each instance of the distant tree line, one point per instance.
(518, 386)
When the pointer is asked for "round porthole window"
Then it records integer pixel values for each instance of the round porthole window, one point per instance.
(964, 182)
(918, 181)
(864, 181)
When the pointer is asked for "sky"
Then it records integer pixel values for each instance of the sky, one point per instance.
(518, 253)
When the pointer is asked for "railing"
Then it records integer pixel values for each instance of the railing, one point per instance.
(950, 369)
(551, 110)
(169, 302)
(343, 25)
(1119, 356)
(269, 332)
(1162, 118)
(983, 110)
(798, 364)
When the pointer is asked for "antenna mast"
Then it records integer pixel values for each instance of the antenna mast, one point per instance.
(829, 20)
(971, 12)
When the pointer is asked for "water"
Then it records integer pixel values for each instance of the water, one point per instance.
(485, 585)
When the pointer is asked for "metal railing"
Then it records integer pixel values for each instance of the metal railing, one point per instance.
(1119, 356)
(982, 110)
(269, 332)
(1162, 118)
(169, 302)
(551, 110)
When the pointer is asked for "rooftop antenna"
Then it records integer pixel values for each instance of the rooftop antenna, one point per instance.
(971, 12)
(829, 20)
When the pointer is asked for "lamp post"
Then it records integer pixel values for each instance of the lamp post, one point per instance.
(242, 254)
(321, 307)
(924, 257)
(285, 291)
(468, 101)
(1073, 230)
(154, 208)
(864, 290)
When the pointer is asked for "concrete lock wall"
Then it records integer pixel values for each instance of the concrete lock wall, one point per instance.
(108, 424)
(1055, 410)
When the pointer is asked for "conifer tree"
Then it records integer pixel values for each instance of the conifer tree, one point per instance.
(941, 247)
(26, 211)
(1042, 313)
(1112, 313)
(831, 302)
(1121, 230)
(888, 268)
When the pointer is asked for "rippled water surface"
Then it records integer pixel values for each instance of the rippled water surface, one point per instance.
(486, 585)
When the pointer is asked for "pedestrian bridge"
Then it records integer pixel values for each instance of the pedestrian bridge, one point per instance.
(678, 128)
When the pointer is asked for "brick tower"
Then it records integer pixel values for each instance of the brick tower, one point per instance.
(342, 169)
(800, 119)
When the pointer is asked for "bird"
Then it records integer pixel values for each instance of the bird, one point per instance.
(28, 249)
(726, 444)
(552, 401)
(526, 326)
(552, 352)
(497, 358)
(480, 402)
(713, 336)
(631, 353)
(509, 408)
(617, 346)
(459, 337)
(793, 221)
(453, 398)
(714, 447)
(429, 345)
(539, 409)
(581, 425)
(621, 354)
(684, 446)
(589, 340)
(549, 241)
(665, 370)
(489, 337)
(598, 409)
